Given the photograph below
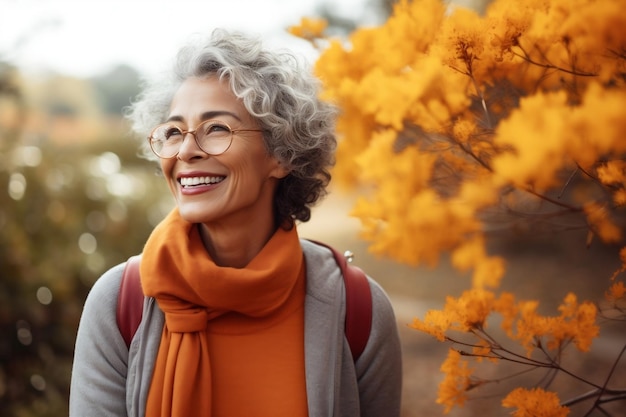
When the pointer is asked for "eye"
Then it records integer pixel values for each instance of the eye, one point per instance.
(166, 132)
(170, 132)
(215, 129)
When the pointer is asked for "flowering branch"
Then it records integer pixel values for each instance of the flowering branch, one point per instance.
(450, 115)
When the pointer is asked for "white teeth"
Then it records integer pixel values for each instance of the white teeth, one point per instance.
(191, 181)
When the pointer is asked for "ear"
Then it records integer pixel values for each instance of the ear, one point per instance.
(279, 171)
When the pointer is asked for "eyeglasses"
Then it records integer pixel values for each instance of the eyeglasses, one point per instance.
(212, 136)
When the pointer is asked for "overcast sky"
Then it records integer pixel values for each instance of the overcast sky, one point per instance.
(89, 37)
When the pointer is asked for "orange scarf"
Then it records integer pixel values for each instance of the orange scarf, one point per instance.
(192, 290)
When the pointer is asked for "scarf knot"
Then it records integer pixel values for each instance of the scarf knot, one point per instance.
(187, 321)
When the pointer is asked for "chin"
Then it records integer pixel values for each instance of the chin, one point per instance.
(193, 215)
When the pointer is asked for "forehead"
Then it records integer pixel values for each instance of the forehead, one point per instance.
(197, 97)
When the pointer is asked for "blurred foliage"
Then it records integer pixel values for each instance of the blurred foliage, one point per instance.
(117, 88)
(74, 200)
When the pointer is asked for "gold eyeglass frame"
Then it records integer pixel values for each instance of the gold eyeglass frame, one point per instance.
(195, 136)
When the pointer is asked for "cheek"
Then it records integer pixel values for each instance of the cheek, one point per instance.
(166, 167)
(166, 170)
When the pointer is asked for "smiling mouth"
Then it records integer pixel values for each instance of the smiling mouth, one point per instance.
(187, 182)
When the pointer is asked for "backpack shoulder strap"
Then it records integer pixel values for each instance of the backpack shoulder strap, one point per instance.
(358, 323)
(130, 300)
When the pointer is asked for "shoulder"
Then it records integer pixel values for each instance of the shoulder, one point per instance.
(383, 316)
(100, 355)
(101, 303)
(322, 266)
(98, 321)
(322, 272)
(106, 288)
(324, 276)
(316, 254)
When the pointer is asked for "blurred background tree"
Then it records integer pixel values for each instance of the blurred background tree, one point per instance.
(74, 200)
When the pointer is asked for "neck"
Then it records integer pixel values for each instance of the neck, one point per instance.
(235, 246)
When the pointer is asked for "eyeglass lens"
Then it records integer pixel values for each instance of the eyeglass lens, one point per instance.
(212, 137)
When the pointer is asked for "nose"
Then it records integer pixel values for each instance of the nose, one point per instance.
(189, 148)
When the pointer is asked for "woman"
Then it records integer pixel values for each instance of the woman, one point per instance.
(242, 318)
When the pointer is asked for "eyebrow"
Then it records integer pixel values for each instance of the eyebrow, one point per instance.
(205, 116)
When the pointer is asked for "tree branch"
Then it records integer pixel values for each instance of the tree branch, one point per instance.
(526, 56)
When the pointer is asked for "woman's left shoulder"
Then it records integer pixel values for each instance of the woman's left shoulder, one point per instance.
(321, 262)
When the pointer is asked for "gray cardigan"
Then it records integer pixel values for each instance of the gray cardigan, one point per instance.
(110, 380)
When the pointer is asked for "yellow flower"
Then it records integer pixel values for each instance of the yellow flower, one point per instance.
(619, 197)
(435, 323)
(508, 309)
(482, 349)
(616, 292)
(471, 309)
(452, 390)
(537, 133)
(612, 172)
(310, 28)
(534, 402)
(466, 313)
(603, 226)
(461, 43)
(584, 325)
(577, 323)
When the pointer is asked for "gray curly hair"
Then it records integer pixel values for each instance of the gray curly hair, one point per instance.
(278, 91)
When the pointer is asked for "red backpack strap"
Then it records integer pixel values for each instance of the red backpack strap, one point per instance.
(130, 300)
(358, 304)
